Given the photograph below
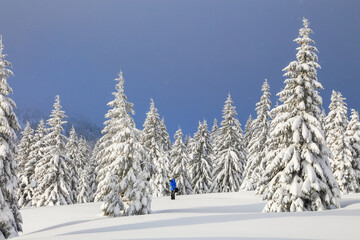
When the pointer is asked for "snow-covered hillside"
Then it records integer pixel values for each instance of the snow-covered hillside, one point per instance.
(208, 216)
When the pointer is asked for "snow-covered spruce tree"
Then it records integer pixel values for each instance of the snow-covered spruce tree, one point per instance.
(72, 149)
(53, 173)
(181, 159)
(213, 139)
(154, 139)
(214, 132)
(113, 205)
(123, 164)
(200, 165)
(352, 140)
(299, 175)
(83, 154)
(186, 141)
(93, 171)
(84, 188)
(256, 150)
(336, 124)
(22, 158)
(248, 131)
(165, 138)
(10, 218)
(230, 152)
(35, 155)
(23, 149)
(322, 119)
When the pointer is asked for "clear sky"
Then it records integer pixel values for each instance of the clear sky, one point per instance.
(186, 55)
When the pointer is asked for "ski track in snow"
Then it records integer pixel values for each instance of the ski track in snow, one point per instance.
(195, 217)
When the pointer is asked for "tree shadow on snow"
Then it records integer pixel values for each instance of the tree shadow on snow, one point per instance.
(198, 220)
(61, 225)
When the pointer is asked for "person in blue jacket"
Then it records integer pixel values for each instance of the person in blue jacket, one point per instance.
(173, 187)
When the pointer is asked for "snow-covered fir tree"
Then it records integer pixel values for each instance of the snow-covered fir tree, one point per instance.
(113, 205)
(256, 150)
(230, 152)
(213, 139)
(23, 149)
(83, 154)
(322, 120)
(84, 170)
(84, 189)
(93, 171)
(36, 153)
(72, 149)
(156, 143)
(299, 176)
(200, 165)
(248, 131)
(53, 173)
(23, 157)
(165, 137)
(181, 162)
(352, 140)
(10, 217)
(214, 132)
(341, 160)
(123, 164)
(187, 140)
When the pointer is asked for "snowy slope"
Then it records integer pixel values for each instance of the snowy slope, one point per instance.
(209, 216)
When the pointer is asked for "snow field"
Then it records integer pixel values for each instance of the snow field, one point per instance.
(193, 217)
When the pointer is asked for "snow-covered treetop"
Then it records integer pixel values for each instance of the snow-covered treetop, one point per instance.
(55, 122)
(5, 89)
(121, 95)
(263, 107)
(117, 114)
(155, 132)
(338, 112)
(229, 118)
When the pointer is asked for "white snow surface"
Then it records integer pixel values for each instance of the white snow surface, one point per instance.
(194, 217)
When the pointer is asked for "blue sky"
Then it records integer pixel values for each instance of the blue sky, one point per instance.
(186, 55)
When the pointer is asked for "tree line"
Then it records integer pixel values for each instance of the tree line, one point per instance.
(294, 155)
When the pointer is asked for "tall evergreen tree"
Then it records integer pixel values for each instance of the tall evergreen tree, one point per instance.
(10, 217)
(123, 164)
(214, 132)
(200, 166)
(93, 171)
(83, 154)
(84, 188)
(53, 173)
(35, 155)
(299, 175)
(248, 131)
(165, 138)
(23, 157)
(352, 140)
(336, 124)
(156, 142)
(72, 149)
(230, 152)
(181, 160)
(256, 150)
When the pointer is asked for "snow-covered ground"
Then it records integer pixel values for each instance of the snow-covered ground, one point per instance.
(209, 216)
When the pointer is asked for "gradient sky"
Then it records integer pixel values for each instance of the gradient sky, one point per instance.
(186, 55)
